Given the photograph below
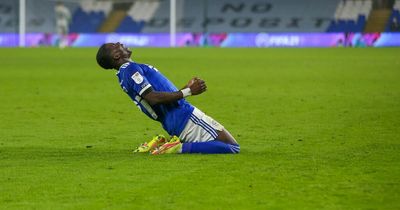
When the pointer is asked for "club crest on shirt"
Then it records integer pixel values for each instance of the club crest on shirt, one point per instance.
(137, 77)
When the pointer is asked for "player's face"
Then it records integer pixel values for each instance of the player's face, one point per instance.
(119, 50)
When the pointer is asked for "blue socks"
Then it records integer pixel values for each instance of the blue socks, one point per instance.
(210, 147)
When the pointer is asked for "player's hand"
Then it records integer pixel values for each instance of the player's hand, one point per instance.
(197, 86)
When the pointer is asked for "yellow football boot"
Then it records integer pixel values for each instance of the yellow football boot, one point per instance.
(152, 144)
(173, 146)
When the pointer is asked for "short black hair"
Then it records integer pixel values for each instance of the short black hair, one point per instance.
(104, 58)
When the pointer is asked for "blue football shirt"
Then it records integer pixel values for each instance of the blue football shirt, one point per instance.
(136, 78)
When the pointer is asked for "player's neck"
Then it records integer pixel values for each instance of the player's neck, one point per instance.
(122, 63)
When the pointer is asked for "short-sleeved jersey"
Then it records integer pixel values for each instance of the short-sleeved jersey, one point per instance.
(136, 78)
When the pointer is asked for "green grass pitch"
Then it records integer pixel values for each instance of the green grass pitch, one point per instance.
(318, 128)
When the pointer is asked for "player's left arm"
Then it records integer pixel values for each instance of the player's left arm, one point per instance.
(196, 86)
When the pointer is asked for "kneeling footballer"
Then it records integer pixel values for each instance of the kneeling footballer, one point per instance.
(192, 131)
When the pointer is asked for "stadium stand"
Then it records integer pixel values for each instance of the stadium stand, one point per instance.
(84, 22)
(218, 16)
(140, 13)
(8, 12)
(89, 16)
(393, 24)
(40, 17)
(246, 16)
(96, 6)
(350, 16)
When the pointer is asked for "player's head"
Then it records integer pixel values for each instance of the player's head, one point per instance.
(112, 55)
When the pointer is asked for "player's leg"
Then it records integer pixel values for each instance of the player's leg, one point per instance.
(216, 130)
(64, 41)
(226, 137)
(59, 32)
(202, 134)
(208, 147)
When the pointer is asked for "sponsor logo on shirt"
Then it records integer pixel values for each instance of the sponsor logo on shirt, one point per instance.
(137, 77)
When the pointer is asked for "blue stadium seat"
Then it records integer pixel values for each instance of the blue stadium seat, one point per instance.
(350, 26)
(395, 16)
(128, 25)
(332, 26)
(350, 16)
(361, 21)
(83, 22)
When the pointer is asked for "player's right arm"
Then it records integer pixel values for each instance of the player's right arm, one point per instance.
(195, 85)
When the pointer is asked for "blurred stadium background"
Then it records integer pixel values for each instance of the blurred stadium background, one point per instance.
(309, 88)
(225, 23)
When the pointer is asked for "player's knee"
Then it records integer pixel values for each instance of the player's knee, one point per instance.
(226, 137)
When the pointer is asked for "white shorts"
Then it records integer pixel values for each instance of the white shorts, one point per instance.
(200, 128)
